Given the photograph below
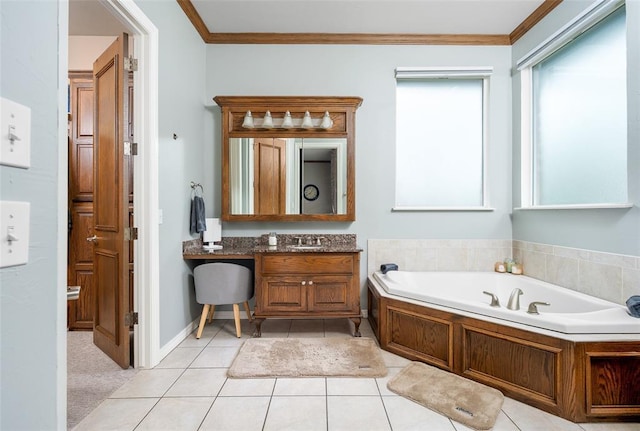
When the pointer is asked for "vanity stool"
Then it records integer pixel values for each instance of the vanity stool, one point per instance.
(222, 283)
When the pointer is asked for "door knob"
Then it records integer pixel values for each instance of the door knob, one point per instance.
(93, 239)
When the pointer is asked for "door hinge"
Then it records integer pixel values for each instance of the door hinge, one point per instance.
(130, 148)
(131, 318)
(131, 64)
(130, 233)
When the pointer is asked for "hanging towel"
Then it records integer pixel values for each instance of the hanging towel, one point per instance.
(198, 223)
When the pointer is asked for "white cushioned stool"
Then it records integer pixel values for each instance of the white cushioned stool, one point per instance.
(222, 283)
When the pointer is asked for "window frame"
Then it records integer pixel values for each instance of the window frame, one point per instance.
(452, 73)
(579, 25)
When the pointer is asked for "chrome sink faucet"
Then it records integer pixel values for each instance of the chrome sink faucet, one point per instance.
(514, 299)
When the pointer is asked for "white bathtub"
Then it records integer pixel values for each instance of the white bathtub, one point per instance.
(570, 312)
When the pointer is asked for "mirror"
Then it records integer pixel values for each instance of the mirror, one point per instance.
(287, 176)
(288, 158)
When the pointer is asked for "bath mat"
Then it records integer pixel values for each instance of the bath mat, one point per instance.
(308, 357)
(470, 403)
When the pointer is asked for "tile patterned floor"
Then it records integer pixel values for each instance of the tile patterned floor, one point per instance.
(189, 390)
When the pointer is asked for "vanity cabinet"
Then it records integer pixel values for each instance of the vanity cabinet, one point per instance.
(307, 285)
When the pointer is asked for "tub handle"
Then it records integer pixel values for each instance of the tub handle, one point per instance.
(533, 307)
(494, 299)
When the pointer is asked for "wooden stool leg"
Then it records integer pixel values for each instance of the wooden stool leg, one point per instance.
(211, 311)
(203, 319)
(246, 308)
(236, 317)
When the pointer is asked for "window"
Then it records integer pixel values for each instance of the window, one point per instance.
(575, 142)
(440, 136)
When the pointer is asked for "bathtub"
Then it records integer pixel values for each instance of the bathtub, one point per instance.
(570, 312)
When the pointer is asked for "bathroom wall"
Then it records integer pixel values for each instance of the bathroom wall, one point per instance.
(367, 72)
(602, 230)
(182, 110)
(32, 327)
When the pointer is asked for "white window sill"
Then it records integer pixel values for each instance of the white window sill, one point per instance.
(576, 207)
(425, 209)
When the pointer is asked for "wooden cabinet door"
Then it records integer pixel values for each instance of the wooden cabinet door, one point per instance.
(283, 294)
(330, 293)
(81, 266)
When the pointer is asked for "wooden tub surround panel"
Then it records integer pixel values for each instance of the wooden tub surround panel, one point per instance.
(579, 381)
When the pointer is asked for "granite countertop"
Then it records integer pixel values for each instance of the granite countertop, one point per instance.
(246, 247)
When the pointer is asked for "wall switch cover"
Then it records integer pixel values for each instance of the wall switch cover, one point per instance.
(15, 134)
(14, 233)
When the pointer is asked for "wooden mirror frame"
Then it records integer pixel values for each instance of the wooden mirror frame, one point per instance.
(342, 112)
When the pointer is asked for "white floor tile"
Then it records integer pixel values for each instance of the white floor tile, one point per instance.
(199, 382)
(356, 413)
(503, 423)
(176, 414)
(148, 383)
(382, 381)
(352, 386)
(180, 357)
(297, 413)
(405, 415)
(529, 418)
(215, 357)
(247, 387)
(120, 415)
(313, 327)
(300, 386)
(237, 414)
(393, 360)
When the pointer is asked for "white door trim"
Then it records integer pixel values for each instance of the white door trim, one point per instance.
(145, 195)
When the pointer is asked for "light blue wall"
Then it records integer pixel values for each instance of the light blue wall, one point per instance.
(368, 72)
(608, 230)
(28, 293)
(182, 110)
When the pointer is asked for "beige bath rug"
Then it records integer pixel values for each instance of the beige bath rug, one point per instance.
(308, 357)
(463, 400)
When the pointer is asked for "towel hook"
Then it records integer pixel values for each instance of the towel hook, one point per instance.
(195, 186)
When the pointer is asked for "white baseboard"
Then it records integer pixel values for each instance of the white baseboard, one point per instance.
(179, 338)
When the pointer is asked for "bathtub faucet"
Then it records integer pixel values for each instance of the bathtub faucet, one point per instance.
(514, 299)
(494, 299)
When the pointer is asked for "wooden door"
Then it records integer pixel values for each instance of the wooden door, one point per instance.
(111, 205)
(270, 188)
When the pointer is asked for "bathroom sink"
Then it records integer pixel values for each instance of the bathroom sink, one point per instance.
(306, 247)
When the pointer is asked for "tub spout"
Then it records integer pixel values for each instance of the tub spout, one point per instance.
(514, 299)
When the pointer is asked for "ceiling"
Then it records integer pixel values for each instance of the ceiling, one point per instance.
(339, 21)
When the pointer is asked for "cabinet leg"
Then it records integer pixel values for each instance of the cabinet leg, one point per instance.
(258, 331)
(356, 321)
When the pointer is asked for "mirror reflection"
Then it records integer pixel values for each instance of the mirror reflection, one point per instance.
(270, 176)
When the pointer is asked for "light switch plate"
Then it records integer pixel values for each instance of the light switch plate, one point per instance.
(14, 233)
(15, 134)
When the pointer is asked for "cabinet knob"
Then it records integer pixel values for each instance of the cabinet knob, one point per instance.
(310, 283)
(304, 282)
